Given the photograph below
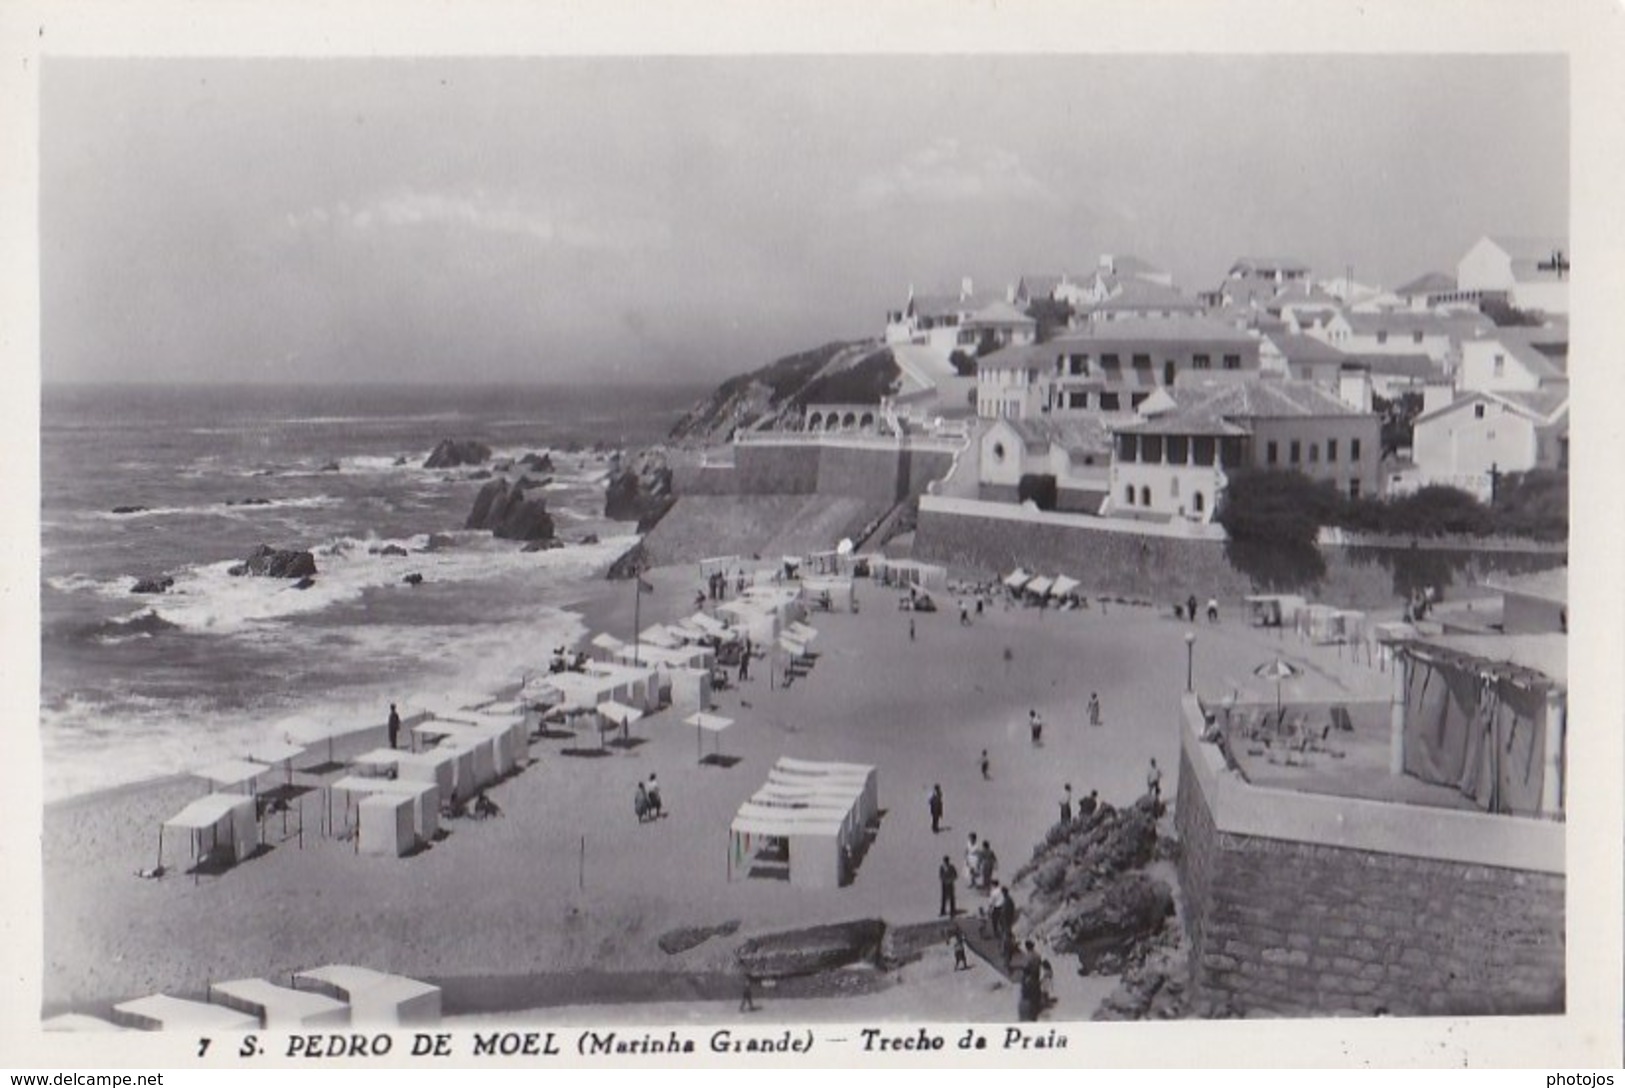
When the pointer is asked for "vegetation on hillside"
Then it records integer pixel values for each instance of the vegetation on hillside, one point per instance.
(840, 372)
(865, 382)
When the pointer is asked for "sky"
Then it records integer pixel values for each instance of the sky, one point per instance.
(655, 219)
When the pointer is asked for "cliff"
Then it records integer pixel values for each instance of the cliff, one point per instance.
(843, 372)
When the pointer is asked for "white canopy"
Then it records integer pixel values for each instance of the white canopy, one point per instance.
(277, 1005)
(1063, 586)
(708, 623)
(606, 641)
(232, 772)
(619, 713)
(1017, 578)
(160, 1012)
(711, 723)
(801, 632)
(206, 812)
(1040, 586)
(657, 635)
(791, 646)
(274, 751)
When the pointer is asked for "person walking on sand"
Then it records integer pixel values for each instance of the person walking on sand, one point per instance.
(1094, 708)
(989, 865)
(1213, 610)
(747, 996)
(987, 767)
(911, 628)
(1190, 607)
(1035, 726)
(933, 804)
(394, 726)
(655, 808)
(948, 878)
(957, 939)
(1066, 804)
(972, 859)
(1153, 782)
(640, 803)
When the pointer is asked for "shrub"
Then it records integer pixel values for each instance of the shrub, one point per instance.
(1283, 508)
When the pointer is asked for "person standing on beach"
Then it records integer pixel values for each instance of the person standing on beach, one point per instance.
(394, 726)
(1087, 806)
(747, 998)
(957, 939)
(1190, 607)
(948, 878)
(911, 628)
(1035, 725)
(1094, 708)
(654, 797)
(744, 662)
(1153, 782)
(987, 767)
(972, 860)
(934, 804)
(1066, 804)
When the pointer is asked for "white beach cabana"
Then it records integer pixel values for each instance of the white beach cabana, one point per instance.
(607, 647)
(377, 762)
(1273, 609)
(160, 1012)
(1064, 587)
(275, 753)
(834, 594)
(618, 715)
(424, 814)
(222, 828)
(1017, 580)
(436, 767)
(808, 818)
(656, 635)
(1038, 588)
(233, 776)
(375, 997)
(277, 1006)
(704, 723)
(688, 689)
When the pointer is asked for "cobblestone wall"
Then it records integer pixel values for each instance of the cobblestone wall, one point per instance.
(1297, 928)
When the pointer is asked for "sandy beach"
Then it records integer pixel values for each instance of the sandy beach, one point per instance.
(567, 881)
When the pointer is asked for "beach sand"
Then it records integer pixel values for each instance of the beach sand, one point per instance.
(566, 880)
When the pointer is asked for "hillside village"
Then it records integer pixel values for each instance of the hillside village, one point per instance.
(1119, 392)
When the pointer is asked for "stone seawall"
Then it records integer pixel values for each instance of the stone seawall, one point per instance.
(1280, 923)
(1164, 565)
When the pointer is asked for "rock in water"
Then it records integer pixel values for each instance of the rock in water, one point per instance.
(392, 549)
(304, 583)
(450, 453)
(269, 562)
(508, 514)
(413, 579)
(641, 491)
(541, 462)
(153, 585)
(129, 509)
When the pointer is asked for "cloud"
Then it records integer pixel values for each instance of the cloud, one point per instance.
(478, 212)
(947, 173)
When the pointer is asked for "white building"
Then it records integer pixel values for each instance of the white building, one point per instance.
(1460, 443)
(1532, 273)
(1514, 360)
(1065, 461)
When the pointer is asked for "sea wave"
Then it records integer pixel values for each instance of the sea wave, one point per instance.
(237, 509)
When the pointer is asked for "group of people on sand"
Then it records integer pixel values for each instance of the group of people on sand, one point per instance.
(646, 802)
(1188, 609)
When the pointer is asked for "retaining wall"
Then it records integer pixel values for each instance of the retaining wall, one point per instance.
(1300, 904)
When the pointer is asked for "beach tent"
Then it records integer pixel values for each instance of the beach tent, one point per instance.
(277, 1006)
(378, 763)
(424, 796)
(273, 753)
(160, 1012)
(222, 828)
(801, 632)
(476, 766)
(1038, 588)
(436, 767)
(619, 715)
(375, 997)
(834, 594)
(689, 689)
(657, 635)
(385, 825)
(809, 817)
(1064, 588)
(607, 647)
(1348, 625)
(709, 623)
(1017, 580)
(634, 685)
(707, 723)
(233, 776)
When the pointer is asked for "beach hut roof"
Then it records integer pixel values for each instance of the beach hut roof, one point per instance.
(619, 713)
(274, 751)
(232, 772)
(174, 1013)
(606, 641)
(1039, 586)
(1017, 578)
(1062, 586)
(711, 723)
(206, 812)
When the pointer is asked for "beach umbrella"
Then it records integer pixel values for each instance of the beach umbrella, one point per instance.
(1277, 670)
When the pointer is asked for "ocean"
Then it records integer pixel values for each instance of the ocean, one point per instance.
(136, 686)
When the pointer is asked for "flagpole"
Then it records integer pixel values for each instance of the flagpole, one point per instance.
(637, 612)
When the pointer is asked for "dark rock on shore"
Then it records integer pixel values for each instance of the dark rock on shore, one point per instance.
(590, 538)
(400, 461)
(543, 545)
(451, 453)
(808, 951)
(639, 491)
(413, 579)
(269, 562)
(438, 542)
(248, 502)
(129, 509)
(481, 474)
(508, 514)
(1105, 929)
(304, 583)
(541, 462)
(153, 585)
(633, 560)
(331, 466)
(393, 549)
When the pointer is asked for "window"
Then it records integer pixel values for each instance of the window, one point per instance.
(1331, 451)
(1077, 400)
(1110, 361)
(1168, 372)
(1478, 411)
(1500, 366)
(1128, 495)
(1272, 453)
(1314, 453)
(1202, 362)
(1382, 336)
(1128, 447)
(1145, 496)
(1416, 337)
(998, 451)
(1142, 361)
(1204, 450)
(1296, 452)
(1196, 502)
(1079, 364)
(1151, 449)
(1178, 450)
(1232, 362)
(1137, 399)
(1354, 449)
(1110, 402)
(1354, 488)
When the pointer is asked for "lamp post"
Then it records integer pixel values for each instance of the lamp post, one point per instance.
(1190, 659)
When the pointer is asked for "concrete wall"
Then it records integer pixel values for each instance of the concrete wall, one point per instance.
(1301, 904)
(878, 471)
(861, 473)
(705, 479)
(774, 469)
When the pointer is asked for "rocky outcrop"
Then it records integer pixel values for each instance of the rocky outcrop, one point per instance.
(1105, 929)
(160, 584)
(808, 951)
(129, 509)
(845, 372)
(451, 453)
(393, 549)
(1155, 989)
(269, 562)
(504, 510)
(631, 562)
(639, 490)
